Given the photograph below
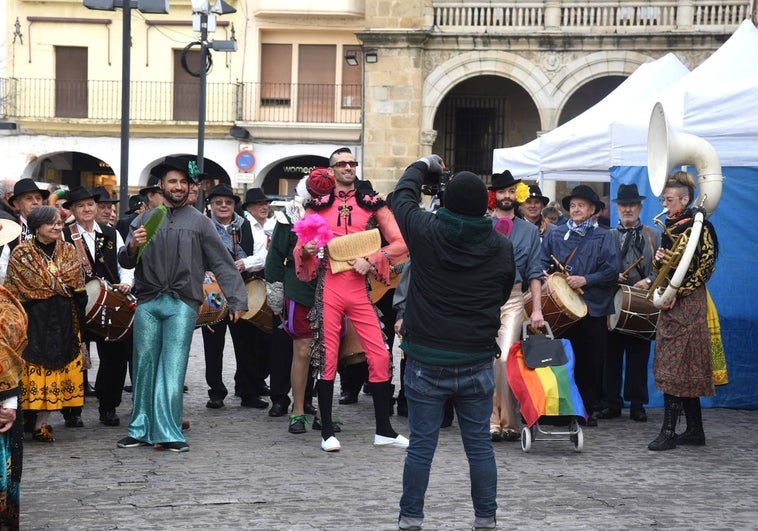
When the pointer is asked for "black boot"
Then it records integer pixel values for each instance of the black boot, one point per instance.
(694, 434)
(325, 391)
(666, 440)
(382, 395)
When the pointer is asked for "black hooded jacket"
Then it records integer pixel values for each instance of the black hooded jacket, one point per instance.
(463, 272)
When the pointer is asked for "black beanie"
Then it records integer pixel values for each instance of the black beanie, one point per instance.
(466, 194)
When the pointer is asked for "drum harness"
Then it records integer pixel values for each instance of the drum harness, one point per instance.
(76, 237)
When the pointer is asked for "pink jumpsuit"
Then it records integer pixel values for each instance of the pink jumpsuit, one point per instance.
(345, 294)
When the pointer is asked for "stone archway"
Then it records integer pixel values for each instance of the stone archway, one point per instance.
(476, 63)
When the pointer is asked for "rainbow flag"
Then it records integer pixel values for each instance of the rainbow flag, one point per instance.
(545, 391)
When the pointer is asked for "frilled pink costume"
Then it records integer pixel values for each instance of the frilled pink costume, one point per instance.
(346, 294)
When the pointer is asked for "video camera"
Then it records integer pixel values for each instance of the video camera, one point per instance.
(435, 184)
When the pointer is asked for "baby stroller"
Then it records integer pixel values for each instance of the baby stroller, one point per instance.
(543, 383)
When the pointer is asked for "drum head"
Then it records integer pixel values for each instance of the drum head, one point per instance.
(256, 296)
(93, 288)
(618, 301)
(569, 299)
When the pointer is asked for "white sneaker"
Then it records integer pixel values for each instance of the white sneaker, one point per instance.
(331, 444)
(397, 442)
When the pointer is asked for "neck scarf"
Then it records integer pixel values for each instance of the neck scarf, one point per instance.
(226, 234)
(631, 237)
(580, 229)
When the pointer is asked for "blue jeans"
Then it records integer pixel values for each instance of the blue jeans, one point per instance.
(426, 389)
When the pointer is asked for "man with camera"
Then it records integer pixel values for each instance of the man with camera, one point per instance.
(463, 273)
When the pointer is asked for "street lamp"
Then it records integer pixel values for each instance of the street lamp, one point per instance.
(204, 21)
(353, 58)
(145, 6)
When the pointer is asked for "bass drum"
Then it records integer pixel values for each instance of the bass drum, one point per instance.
(561, 305)
(635, 314)
(109, 313)
(258, 313)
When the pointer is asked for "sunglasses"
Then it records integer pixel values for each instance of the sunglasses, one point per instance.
(345, 164)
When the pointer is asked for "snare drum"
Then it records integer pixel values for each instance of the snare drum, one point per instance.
(351, 351)
(258, 312)
(635, 314)
(214, 307)
(109, 313)
(561, 305)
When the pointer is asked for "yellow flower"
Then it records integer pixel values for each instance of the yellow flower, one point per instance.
(522, 192)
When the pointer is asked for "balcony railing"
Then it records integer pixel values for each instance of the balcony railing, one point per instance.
(156, 102)
(455, 16)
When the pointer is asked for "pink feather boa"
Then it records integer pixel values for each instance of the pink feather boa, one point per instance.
(313, 227)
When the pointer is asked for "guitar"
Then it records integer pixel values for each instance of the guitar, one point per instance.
(378, 289)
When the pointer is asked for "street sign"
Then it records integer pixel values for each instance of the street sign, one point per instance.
(246, 178)
(245, 160)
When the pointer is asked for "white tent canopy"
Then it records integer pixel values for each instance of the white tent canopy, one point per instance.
(579, 149)
(720, 90)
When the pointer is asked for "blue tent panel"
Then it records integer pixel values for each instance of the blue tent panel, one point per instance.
(732, 285)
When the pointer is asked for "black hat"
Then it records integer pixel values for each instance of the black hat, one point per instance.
(223, 190)
(503, 180)
(187, 167)
(534, 191)
(24, 186)
(584, 192)
(628, 193)
(152, 186)
(135, 203)
(104, 196)
(79, 193)
(466, 194)
(255, 195)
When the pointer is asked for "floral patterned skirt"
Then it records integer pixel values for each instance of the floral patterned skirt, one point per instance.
(53, 389)
(682, 363)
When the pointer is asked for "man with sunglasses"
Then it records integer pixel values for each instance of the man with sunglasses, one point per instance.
(351, 207)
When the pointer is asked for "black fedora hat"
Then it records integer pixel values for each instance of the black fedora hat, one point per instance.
(255, 195)
(135, 203)
(584, 192)
(223, 190)
(628, 193)
(104, 196)
(24, 186)
(152, 186)
(79, 193)
(534, 191)
(503, 180)
(180, 164)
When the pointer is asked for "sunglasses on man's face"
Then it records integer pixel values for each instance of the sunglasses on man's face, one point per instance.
(345, 163)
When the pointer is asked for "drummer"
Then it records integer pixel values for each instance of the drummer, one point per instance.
(237, 236)
(97, 245)
(589, 256)
(525, 237)
(634, 240)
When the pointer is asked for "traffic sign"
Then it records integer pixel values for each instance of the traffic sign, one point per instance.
(246, 178)
(245, 160)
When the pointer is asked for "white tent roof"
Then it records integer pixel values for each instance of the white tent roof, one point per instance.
(580, 147)
(711, 86)
(726, 117)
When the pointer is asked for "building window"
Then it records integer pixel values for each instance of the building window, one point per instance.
(186, 87)
(351, 79)
(71, 94)
(276, 74)
(316, 78)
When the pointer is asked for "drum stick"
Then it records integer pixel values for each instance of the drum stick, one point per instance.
(563, 271)
(635, 264)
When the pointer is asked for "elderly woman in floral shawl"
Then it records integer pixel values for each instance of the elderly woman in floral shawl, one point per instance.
(45, 274)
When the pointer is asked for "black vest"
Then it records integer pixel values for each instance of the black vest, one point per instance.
(105, 265)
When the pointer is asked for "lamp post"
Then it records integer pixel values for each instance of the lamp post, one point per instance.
(204, 21)
(361, 58)
(145, 6)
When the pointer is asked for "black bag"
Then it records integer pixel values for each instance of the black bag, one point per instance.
(542, 350)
